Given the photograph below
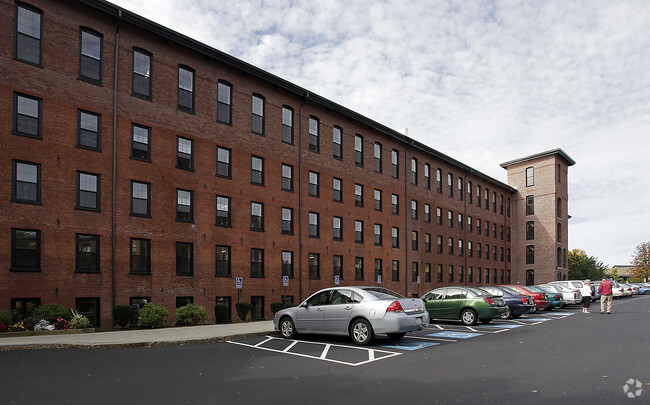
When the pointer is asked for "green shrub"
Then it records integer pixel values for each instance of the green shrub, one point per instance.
(191, 314)
(242, 309)
(122, 315)
(152, 315)
(51, 312)
(5, 318)
(79, 321)
(220, 312)
(276, 306)
(16, 316)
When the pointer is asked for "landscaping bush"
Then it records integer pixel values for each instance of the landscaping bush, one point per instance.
(242, 309)
(152, 316)
(220, 312)
(191, 314)
(276, 306)
(5, 317)
(51, 312)
(122, 315)
(79, 321)
(43, 325)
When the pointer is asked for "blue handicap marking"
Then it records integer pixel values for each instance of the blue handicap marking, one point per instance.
(409, 345)
(503, 326)
(455, 335)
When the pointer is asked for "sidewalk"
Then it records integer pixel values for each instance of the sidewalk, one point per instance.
(140, 337)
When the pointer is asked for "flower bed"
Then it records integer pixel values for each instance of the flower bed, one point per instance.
(46, 332)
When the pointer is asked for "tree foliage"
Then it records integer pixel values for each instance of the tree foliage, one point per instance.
(583, 267)
(641, 261)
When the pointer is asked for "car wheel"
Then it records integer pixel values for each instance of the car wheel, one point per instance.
(486, 321)
(287, 328)
(507, 315)
(396, 336)
(516, 316)
(468, 317)
(361, 332)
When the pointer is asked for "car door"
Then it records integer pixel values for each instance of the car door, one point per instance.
(453, 302)
(433, 302)
(309, 315)
(337, 313)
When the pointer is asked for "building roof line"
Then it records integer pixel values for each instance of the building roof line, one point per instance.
(558, 151)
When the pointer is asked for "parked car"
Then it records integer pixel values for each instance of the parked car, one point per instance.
(467, 304)
(360, 312)
(644, 288)
(570, 296)
(541, 298)
(628, 291)
(617, 291)
(518, 304)
(554, 297)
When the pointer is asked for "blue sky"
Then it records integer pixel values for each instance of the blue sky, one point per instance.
(482, 81)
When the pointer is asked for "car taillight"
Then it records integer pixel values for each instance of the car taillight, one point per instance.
(524, 300)
(557, 297)
(395, 307)
(489, 301)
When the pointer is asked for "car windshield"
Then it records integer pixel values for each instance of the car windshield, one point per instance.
(494, 291)
(477, 292)
(547, 288)
(383, 293)
(577, 284)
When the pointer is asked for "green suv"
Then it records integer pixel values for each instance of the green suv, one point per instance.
(466, 304)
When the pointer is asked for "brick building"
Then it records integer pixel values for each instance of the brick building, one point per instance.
(142, 164)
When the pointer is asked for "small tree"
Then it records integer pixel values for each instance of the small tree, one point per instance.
(122, 315)
(583, 267)
(191, 314)
(152, 315)
(641, 261)
(79, 321)
(242, 309)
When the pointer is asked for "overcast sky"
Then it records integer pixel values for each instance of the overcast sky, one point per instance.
(484, 82)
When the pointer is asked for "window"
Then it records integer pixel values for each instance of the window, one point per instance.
(186, 89)
(184, 259)
(25, 250)
(414, 171)
(395, 270)
(427, 213)
(478, 196)
(439, 216)
(314, 229)
(439, 244)
(337, 149)
(378, 234)
(559, 208)
(358, 150)
(439, 272)
(257, 114)
(559, 233)
(223, 211)
(89, 307)
(87, 191)
(427, 176)
(257, 263)
(287, 177)
(223, 162)
(451, 274)
(337, 223)
(257, 216)
(460, 274)
(377, 200)
(530, 230)
(414, 209)
(87, 253)
(460, 189)
(257, 170)
(530, 176)
(336, 189)
(461, 221)
(530, 205)
(26, 182)
(415, 272)
(287, 221)
(478, 226)
(287, 124)
(487, 275)
(487, 199)
(358, 268)
(470, 250)
(222, 267)
(395, 237)
(314, 189)
(29, 27)
(494, 201)
(184, 205)
(140, 137)
(427, 242)
(314, 266)
(508, 234)
(450, 245)
(184, 155)
(377, 157)
(450, 218)
(224, 102)
(314, 134)
(461, 250)
(88, 130)
(27, 116)
(395, 204)
(287, 264)
(90, 56)
(559, 173)
(439, 181)
(479, 275)
(470, 189)
(182, 301)
(450, 184)
(378, 269)
(337, 266)
(140, 201)
(530, 254)
(508, 207)
(358, 231)
(470, 227)
(141, 74)
(394, 160)
(358, 195)
(501, 204)
(140, 256)
(257, 307)
(427, 272)
(414, 240)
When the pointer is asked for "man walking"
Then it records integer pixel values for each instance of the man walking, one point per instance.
(605, 290)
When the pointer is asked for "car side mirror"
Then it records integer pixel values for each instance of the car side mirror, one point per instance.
(304, 304)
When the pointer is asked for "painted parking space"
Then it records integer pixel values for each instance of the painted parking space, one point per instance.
(455, 335)
(409, 345)
(504, 326)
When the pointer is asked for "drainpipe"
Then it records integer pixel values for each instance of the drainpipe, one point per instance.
(406, 222)
(300, 199)
(465, 254)
(113, 197)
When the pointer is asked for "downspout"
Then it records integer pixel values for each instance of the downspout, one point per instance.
(300, 199)
(406, 222)
(465, 197)
(113, 197)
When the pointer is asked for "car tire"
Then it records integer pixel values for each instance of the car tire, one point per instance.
(287, 328)
(396, 336)
(361, 332)
(507, 315)
(468, 317)
(516, 316)
(486, 321)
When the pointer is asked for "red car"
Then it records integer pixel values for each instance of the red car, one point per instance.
(541, 299)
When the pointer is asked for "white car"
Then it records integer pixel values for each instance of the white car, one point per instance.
(571, 296)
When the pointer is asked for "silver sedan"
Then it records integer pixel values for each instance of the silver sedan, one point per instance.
(360, 312)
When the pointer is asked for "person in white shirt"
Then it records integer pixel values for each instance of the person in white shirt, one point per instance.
(586, 296)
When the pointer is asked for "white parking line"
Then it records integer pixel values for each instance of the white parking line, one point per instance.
(326, 350)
